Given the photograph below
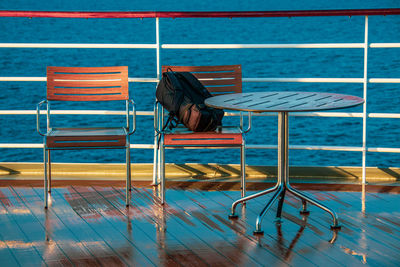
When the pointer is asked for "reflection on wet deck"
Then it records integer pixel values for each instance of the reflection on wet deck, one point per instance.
(89, 225)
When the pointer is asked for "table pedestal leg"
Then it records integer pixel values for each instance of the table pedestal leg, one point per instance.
(280, 204)
(258, 230)
(283, 182)
(303, 197)
(283, 169)
(233, 215)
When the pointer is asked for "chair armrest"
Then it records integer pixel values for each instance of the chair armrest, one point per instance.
(249, 122)
(38, 116)
(131, 131)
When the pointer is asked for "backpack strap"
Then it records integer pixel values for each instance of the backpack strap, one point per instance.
(176, 85)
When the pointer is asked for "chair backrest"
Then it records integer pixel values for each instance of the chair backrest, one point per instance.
(87, 84)
(217, 79)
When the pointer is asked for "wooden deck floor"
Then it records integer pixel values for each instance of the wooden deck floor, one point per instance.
(90, 226)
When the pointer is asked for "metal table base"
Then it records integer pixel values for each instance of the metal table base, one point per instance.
(283, 184)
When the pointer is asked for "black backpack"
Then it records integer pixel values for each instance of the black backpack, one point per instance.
(183, 95)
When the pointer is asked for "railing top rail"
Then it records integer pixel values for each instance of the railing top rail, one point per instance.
(199, 14)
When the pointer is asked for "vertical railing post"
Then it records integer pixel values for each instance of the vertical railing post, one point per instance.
(156, 156)
(158, 47)
(365, 83)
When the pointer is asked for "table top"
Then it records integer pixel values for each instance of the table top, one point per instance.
(283, 101)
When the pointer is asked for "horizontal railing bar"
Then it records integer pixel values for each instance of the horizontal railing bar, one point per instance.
(197, 46)
(329, 148)
(384, 45)
(384, 149)
(305, 114)
(75, 45)
(327, 114)
(40, 145)
(247, 46)
(151, 113)
(306, 80)
(23, 79)
(296, 147)
(322, 148)
(300, 80)
(384, 115)
(150, 146)
(74, 112)
(20, 145)
(76, 14)
(143, 80)
(384, 80)
(303, 147)
(44, 79)
(205, 14)
(155, 80)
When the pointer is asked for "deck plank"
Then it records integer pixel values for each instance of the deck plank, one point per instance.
(51, 253)
(349, 241)
(204, 254)
(208, 232)
(107, 245)
(7, 257)
(119, 224)
(281, 247)
(150, 230)
(92, 250)
(7, 254)
(220, 235)
(377, 246)
(311, 242)
(235, 234)
(56, 233)
(15, 230)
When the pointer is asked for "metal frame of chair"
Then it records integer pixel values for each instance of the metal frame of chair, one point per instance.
(218, 80)
(86, 84)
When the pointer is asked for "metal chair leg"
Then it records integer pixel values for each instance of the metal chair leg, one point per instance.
(162, 170)
(159, 165)
(155, 161)
(303, 197)
(243, 170)
(129, 170)
(258, 230)
(160, 142)
(45, 155)
(128, 174)
(49, 171)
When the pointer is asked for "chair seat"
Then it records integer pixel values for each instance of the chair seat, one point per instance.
(223, 136)
(86, 137)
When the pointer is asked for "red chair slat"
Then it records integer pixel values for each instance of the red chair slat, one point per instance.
(111, 83)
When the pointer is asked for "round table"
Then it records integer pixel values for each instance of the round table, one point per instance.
(283, 102)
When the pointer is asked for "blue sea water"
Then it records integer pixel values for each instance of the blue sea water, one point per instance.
(256, 63)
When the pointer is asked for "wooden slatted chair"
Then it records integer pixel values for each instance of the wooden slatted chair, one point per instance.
(217, 80)
(87, 84)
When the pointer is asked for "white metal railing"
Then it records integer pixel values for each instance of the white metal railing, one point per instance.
(158, 46)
